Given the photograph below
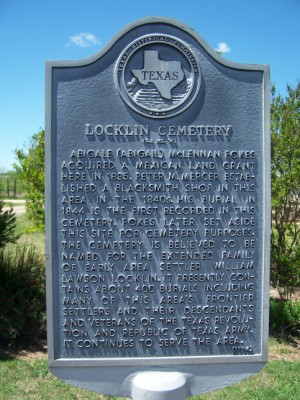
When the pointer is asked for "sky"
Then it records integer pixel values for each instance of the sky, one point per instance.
(33, 31)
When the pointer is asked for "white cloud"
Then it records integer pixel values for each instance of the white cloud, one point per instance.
(83, 39)
(223, 48)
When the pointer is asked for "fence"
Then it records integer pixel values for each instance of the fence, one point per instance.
(10, 186)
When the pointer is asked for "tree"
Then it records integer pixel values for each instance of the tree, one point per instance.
(30, 169)
(285, 167)
(7, 226)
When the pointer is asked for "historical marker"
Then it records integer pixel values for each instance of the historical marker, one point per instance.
(158, 212)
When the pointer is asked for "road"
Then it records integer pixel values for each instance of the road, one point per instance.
(17, 205)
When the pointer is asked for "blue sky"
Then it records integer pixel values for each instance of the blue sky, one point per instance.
(33, 31)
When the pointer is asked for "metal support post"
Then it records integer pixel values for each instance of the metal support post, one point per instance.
(158, 385)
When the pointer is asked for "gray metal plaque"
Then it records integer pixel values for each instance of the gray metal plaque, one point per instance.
(158, 212)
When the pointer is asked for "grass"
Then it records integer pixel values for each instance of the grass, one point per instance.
(28, 377)
(277, 380)
(31, 380)
(28, 235)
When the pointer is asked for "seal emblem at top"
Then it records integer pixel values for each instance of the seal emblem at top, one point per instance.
(158, 76)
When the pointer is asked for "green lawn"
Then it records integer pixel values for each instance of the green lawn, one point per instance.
(278, 380)
(31, 380)
(29, 235)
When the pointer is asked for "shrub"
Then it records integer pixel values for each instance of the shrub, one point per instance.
(285, 317)
(285, 167)
(30, 170)
(7, 226)
(22, 295)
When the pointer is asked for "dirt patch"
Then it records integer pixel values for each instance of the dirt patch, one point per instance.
(285, 349)
(274, 294)
(29, 353)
